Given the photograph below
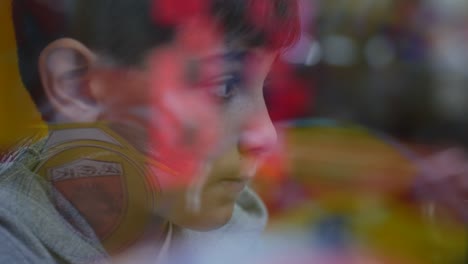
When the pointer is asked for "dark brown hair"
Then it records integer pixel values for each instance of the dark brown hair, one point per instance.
(125, 30)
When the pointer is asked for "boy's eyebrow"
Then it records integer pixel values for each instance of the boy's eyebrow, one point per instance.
(231, 56)
(232, 62)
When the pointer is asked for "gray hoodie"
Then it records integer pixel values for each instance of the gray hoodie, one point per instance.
(38, 225)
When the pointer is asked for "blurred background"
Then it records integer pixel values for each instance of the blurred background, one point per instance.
(372, 89)
(397, 66)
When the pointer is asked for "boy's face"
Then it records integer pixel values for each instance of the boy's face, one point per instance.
(197, 130)
(196, 110)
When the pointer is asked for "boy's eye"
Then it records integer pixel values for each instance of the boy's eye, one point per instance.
(224, 87)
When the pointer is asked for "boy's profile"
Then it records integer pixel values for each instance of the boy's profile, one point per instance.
(157, 125)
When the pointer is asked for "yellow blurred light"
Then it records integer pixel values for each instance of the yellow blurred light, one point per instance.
(19, 118)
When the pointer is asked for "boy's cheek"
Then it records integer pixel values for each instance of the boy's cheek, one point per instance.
(186, 127)
(120, 89)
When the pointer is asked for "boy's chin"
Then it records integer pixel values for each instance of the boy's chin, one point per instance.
(206, 220)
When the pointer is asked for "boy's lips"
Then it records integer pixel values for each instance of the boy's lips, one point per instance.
(233, 185)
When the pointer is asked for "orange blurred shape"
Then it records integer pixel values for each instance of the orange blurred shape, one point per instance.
(273, 170)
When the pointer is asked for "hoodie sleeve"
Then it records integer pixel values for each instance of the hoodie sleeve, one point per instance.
(13, 250)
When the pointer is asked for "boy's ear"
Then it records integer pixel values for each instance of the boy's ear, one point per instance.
(64, 67)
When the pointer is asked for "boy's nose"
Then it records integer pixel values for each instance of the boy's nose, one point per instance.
(258, 136)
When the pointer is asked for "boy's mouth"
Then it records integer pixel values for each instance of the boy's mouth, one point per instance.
(233, 185)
